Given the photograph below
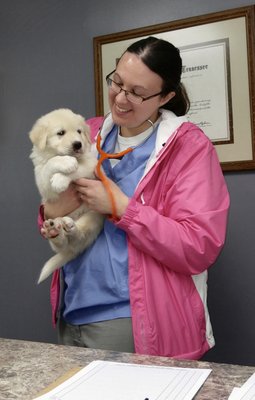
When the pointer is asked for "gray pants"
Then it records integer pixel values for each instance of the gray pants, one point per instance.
(113, 335)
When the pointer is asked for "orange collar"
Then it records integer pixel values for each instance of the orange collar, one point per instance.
(102, 176)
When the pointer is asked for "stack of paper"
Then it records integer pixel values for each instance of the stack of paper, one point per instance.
(105, 380)
(246, 392)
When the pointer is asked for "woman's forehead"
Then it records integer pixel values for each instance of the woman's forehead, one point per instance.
(132, 69)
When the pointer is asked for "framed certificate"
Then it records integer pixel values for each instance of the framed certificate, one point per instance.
(218, 53)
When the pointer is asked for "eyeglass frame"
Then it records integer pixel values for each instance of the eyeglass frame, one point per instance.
(107, 78)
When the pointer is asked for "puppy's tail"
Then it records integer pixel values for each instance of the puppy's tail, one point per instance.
(55, 262)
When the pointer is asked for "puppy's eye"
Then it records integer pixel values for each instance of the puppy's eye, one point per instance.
(79, 130)
(61, 133)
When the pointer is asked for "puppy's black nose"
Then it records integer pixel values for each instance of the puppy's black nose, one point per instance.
(77, 146)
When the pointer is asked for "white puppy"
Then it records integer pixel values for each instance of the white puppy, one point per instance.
(62, 153)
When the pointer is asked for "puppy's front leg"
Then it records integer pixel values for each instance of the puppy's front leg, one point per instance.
(60, 182)
(64, 164)
(44, 174)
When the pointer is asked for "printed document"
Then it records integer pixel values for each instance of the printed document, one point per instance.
(106, 380)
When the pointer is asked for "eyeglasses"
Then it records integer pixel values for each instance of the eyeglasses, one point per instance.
(132, 97)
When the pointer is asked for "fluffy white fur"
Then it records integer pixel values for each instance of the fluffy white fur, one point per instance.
(61, 153)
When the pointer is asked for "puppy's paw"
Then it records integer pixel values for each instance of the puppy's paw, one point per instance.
(59, 182)
(68, 225)
(58, 227)
(69, 164)
(51, 228)
(54, 231)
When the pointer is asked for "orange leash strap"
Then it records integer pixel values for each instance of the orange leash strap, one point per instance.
(104, 156)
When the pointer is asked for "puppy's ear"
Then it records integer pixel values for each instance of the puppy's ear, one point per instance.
(86, 130)
(38, 135)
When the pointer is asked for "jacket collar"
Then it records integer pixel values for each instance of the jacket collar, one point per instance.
(167, 128)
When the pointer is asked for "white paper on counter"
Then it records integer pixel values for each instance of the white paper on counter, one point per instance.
(106, 380)
(246, 392)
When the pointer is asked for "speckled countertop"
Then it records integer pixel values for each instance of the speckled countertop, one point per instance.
(28, 367)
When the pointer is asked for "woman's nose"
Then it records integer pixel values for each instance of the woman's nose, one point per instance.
(122, 96)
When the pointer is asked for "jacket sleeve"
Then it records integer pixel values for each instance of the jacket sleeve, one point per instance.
(188, 231)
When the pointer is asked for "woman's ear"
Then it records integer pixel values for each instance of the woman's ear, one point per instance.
(166, 98)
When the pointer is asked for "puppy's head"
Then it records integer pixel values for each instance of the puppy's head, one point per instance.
(61, 132)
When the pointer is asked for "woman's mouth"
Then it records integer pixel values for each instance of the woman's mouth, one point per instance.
(121, 110)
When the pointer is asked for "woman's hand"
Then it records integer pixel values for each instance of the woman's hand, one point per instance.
(96, 197)
(67, 202)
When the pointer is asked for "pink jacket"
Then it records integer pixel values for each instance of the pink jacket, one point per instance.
(176, 225)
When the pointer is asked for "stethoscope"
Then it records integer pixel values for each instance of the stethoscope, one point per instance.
(104, 156)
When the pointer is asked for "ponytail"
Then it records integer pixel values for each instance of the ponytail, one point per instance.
(179, 104)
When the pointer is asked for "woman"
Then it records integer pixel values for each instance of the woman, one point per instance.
(142, 285)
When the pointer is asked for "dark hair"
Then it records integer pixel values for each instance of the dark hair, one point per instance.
(164, 59)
